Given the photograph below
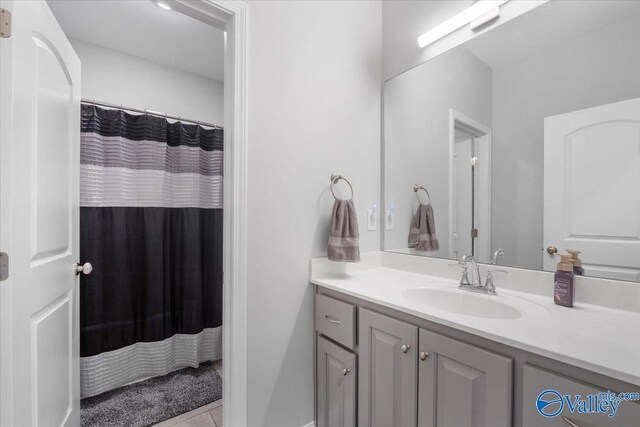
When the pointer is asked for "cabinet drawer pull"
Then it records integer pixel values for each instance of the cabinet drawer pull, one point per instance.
(346, 371)
(423, 355)
(568, 421)
(405, 348)
(332, 319)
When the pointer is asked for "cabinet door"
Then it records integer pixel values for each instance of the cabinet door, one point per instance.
(538, 380)
(461, 385)
(336, 386)
(387, 394)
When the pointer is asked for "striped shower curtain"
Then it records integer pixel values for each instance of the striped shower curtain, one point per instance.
(151, 225)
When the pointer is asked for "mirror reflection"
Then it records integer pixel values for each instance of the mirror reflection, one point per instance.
(522, 144)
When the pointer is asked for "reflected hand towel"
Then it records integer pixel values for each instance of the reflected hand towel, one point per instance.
(422, 235)
(344, 245)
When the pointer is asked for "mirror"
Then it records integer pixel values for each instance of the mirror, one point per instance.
(527, 139)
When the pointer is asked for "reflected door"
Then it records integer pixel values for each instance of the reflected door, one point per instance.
(39, 187)
(592, 188)
(464, 192)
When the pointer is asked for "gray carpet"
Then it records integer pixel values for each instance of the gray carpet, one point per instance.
(154, 400)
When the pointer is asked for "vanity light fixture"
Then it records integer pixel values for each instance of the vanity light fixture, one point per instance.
(163, 5)
(476, 11)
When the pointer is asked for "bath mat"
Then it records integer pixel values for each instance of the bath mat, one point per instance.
(154, 400)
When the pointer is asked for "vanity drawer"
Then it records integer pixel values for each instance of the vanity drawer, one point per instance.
(537, 380)
(336, 320)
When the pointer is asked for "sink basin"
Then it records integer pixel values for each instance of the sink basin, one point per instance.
(462, 302)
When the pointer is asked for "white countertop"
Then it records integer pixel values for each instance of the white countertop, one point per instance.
(601, 339)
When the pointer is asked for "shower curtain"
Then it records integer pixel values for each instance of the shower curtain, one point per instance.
(151, 225)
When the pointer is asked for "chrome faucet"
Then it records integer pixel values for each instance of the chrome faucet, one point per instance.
(497, 254)
(472, 281)
(475, 281)
(491, 289)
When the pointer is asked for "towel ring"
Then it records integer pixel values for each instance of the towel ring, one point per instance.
(334, 179)
(417, 188)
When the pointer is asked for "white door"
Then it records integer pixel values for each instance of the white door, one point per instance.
(592, 188)
(463, 193)
(39, 173)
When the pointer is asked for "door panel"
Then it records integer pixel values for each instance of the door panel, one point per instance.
(461, 385)
(460, 391)
(336, 388)
(51, 354)
(387, 380)
(50, 159)
(592, 188)
(39, 223)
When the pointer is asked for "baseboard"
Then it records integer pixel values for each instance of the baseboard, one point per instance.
(311, 424)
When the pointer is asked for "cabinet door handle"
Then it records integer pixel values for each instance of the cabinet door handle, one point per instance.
(346, 371)
(568, 421)
(423, 355)
(405, 348)
(332, 319)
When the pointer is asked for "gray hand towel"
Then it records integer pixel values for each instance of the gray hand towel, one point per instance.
(422, 235)
(344, 243)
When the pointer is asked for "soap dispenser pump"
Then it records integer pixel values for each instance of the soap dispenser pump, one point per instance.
(576, 261)
(563, 289)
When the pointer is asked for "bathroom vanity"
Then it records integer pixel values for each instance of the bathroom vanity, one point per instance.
(511, 143)
(398, 344)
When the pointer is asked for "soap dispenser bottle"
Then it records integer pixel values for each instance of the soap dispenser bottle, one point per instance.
(563, 283)
(576, 261)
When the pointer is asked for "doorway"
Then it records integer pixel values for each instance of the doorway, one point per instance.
(151, 154)
(470, 187)
(31, 367)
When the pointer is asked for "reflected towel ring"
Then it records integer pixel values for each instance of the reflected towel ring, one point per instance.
(334, 179)
(417, 188)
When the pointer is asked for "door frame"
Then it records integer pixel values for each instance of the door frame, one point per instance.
(6, 315)
(230, 16)
(458, 120)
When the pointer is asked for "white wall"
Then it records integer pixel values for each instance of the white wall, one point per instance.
(403, 21)
(118, 78)
(586, 71)
(416, 108)
(314, 109)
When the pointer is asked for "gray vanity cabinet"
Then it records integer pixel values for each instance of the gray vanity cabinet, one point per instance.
(388, 371)
(336, 385)
(462, 385)
(538, 380)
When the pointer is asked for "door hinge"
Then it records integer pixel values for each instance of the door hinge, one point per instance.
(474, 233)
(5, 23)
(4, 266)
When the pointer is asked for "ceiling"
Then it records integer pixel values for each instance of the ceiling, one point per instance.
(141, 28)
(545, 26)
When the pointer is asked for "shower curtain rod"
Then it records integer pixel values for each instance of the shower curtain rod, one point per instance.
(150, 112)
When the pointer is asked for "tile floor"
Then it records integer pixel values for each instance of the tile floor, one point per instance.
(205, 416)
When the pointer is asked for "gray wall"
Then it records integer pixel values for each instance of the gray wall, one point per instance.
(416, 114)
(597, 68)
(314, 108)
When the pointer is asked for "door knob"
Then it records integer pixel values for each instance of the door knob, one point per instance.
(552, 250)
(405, 348)
(85, 268)
(346, 371)
(423, 355)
